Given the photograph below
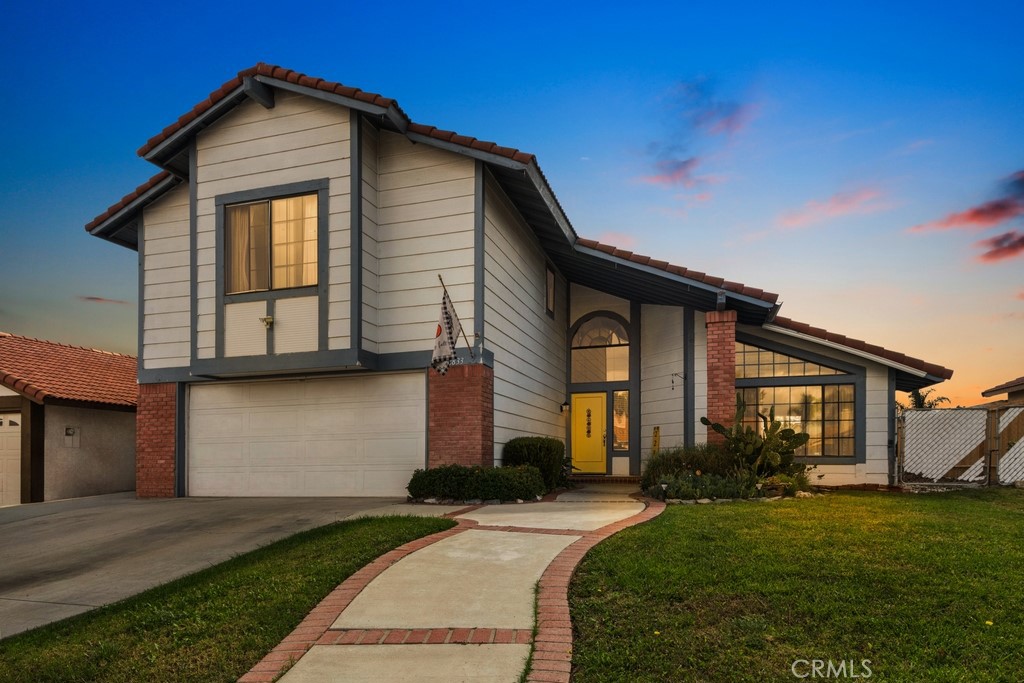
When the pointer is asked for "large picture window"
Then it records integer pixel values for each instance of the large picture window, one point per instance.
(271, 244)
(807, 397)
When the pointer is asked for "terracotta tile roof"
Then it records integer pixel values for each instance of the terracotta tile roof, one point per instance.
(128, 199)
(283, 74)
(43, 370)
(1005, 387)
(737, 287)
(859, 345)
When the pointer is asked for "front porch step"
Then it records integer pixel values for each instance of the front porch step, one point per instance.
(603, 479)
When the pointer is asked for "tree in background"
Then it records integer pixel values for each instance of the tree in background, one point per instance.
(919, 400)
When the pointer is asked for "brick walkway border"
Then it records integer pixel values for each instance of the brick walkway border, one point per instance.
(552, 649)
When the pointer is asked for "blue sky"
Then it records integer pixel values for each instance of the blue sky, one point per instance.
(792, 147)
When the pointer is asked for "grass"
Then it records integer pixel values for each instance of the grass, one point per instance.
(739, 592)
(213, 625)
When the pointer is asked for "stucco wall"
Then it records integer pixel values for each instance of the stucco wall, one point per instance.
(103, 461)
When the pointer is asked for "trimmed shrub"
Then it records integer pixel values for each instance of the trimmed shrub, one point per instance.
(693, 486)
(702, 457)
(544, 453)
(458, 482)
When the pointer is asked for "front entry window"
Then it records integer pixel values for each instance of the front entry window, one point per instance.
(600, 352)
(620, 420)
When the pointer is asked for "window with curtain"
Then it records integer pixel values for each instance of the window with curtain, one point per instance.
(271, 244)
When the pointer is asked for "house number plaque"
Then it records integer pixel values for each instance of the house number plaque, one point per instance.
(588, 422)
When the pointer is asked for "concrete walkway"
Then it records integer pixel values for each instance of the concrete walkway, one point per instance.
(460, 605)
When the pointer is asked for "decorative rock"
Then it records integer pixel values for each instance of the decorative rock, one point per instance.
(774, 498)
(673, 501)
(430, 501)
(723, 500)
(475, 501)
(703, 501)
(540, 497)
(519, 500)
(688, 502)
(494, 501)
(804, 494)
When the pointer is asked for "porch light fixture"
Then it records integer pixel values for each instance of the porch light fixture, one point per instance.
(564, 408)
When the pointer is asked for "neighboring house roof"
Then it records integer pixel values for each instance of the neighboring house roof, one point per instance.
(43, 371)
(1005, 387)
(912, 373)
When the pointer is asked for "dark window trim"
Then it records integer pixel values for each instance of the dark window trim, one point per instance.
(320, 186)
(550, 290)
(856, 375)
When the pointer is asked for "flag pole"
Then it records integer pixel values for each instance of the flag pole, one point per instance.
(464, 337)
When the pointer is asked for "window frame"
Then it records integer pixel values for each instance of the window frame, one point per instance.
(550, 283)
(854, 374)
(318, 187)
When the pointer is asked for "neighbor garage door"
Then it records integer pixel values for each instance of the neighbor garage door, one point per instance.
(347, 436)
(10, 459)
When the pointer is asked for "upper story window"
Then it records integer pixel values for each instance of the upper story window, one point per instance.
(549, 294)
(600, 352)
(752, 361)
(271, 244)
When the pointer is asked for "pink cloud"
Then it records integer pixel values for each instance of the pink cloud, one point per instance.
(1020, 295)
(978, 217)
(674, 172)
(702, 197)
(729, 119)
(840, 204)
(1002, 247)
(617, 239)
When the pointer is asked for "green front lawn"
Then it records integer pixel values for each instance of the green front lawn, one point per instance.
(928, 588)
(213, 625)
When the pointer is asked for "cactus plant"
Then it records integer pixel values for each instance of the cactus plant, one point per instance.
(767, 451)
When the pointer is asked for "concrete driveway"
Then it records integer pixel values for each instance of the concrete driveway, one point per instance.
(67, 557)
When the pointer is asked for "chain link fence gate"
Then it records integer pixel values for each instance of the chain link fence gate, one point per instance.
(961, 446)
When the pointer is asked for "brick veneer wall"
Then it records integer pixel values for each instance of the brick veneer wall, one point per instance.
(155, 440)
(721, 349)
(461, 416)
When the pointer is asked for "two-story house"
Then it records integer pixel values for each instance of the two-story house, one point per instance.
(289, 253)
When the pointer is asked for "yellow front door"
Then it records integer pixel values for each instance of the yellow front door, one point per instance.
(589, 435)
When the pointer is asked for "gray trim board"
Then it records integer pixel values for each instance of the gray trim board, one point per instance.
(891, 414)
(109, 228)
(534, 174)
(33, 442)
(140, 352)
(258, 92)
(355, 237)
(479, 224)
(333, 98)
(273, 192)
(635, 417)
(689, 385)
(197, 124)
(193, 241)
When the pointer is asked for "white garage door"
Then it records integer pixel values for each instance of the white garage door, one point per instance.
(341, 436)
(10, 459)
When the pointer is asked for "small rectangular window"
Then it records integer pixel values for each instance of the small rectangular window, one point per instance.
(620, 420)
(549, 305)
(271, 244)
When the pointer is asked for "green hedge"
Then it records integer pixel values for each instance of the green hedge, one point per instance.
(672, 462)
(458, 482)
(544, 453)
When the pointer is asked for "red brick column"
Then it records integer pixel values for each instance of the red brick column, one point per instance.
(721, 327)
(461, 416)
(155, 422)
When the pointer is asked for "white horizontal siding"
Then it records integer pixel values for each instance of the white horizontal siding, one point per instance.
(295, 324)
(700, 376)
(425, 213)
(662, 396)
(300, 139)
(528, 345)
(166, 273)
(244, 332)
(583, 300)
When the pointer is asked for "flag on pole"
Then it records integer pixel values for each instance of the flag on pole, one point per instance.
(448, 330)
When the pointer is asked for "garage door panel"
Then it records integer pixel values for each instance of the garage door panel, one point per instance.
(342, 436)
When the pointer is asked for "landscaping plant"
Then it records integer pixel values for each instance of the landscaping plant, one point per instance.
(767, 451)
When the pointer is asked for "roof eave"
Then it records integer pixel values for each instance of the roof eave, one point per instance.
(113, 226)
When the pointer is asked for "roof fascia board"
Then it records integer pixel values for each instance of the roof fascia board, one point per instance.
(259, 92)
(489, 157)
(549, 198)
(128, 211)
(767, 306)
(396, 119)
(852, 351)
(157, 154)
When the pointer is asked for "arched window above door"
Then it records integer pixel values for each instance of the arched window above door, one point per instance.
(600, 351)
